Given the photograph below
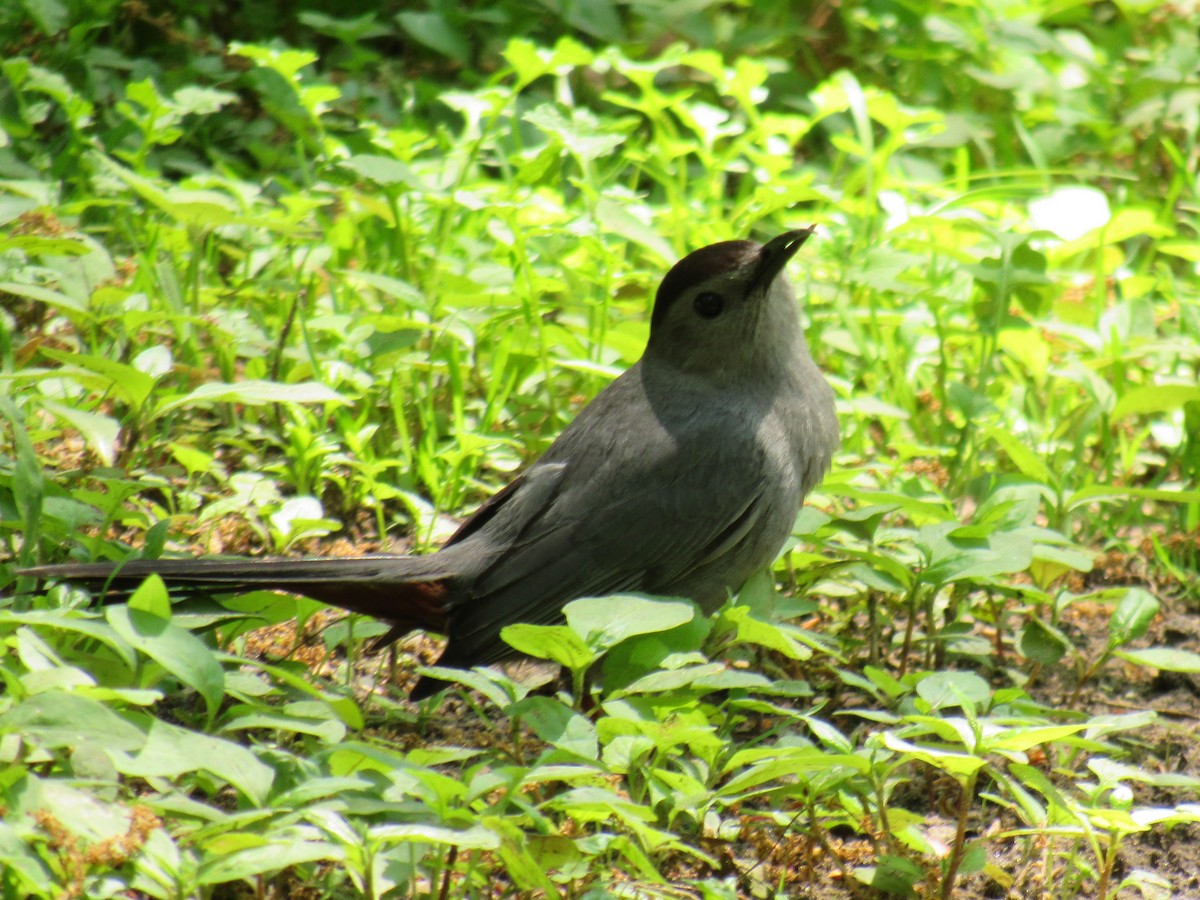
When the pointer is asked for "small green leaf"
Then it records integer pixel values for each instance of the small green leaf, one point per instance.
(557, 724)
(1135, 611)
(894, 876)
(946, 690)
(1042, 643)
(475, 838)
(151, 597)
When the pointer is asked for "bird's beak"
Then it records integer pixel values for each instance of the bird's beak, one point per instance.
(775, 255)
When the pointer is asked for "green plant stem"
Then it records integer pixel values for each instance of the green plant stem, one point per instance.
(960, 836)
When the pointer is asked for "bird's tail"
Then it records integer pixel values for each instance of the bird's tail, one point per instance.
(408, 591)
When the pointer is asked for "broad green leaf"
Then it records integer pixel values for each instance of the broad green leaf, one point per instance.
(170, 751)
(270, 857)
(1155, 398)
(499, 689)
(1042, 643)
(1021, 738)
(344, 707)
(957, 764)
(893, 876)
(557, 724)
(434, 31)
(178, 651)
(957, 553)
(519, 864)
(946, 690)
(673, 679)
(616, 218)
(127, 382)
(557, 643)
(477, 837)
(1189, 250)
(21, 863)
(1107, 494)
(384, 170)
(1026, 460)
(83, 622)
(1135, 610)
(793, 763)
(1167, 658)
(754, 631)
(151, 597)
(253, 393)
(328, 729)
(65, 719)
(605, 621)
(98, 430)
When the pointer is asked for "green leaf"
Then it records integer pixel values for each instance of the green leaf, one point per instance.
(754, 631)
(432, 30)
(1155, 398)
(959, 765)
(493, 685)
(946, 690)
(170, 751)
(125, 381)
(894, 876)
(80, 621)
(269, 857)
(603, 622)
(527, 874)
(64, 719)
(385, 171)
(1042, 643)
(178, 651)
(557, 724)
(1106, 494)
(151, 597)
(477, 837)
(1021, 738)
(1135, 610)
(617, 219)
(253, 393)
(1017, 450)
(98, 430)
(864, 521)
(957, 553)
(557, 643)
(1167, 658)
(22, 864)
(42, 295)
(344, 707)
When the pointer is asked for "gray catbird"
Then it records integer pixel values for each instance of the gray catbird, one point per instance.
(683, 477)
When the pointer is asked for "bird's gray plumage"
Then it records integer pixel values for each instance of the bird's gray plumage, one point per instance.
(683, 477)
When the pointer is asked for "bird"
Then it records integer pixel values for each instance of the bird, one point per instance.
(683, 477)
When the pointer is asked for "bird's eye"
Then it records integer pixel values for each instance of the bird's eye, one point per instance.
(708, 305)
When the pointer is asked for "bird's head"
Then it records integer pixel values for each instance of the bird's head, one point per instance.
(727, 310)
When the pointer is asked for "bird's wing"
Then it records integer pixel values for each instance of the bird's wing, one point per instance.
(611, 519)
